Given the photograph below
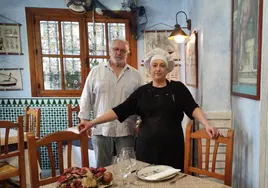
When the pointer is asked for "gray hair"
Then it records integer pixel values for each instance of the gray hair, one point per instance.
(119, 40)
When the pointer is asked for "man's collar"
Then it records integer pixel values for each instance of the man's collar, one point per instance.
(107, 64)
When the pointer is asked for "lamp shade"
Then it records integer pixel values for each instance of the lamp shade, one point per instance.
(178, 34)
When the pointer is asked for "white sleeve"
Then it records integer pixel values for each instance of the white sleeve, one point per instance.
(86, 100)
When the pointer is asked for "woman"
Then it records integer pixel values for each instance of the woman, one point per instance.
(161, 105)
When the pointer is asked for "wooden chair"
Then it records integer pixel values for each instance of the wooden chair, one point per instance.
(32, 121)
(59, 138)
(204, 163)
(70, 114)
(7, 171)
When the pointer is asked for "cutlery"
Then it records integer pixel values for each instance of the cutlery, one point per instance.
(177, 178)
(133, 171)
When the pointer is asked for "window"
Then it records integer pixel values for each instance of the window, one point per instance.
(64, 46)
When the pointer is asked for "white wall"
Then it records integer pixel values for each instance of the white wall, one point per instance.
(246, 122)
(15, 10)
(213, 21)
(263, 170)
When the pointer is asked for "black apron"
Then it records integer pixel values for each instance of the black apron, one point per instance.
(160, 140)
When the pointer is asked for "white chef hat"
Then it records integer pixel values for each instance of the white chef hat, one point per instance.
(159, 53)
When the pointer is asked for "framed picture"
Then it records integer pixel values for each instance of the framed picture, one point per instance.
(246, 48)
(159, 39)
(10, 41)
(11, 79)
(191, 61)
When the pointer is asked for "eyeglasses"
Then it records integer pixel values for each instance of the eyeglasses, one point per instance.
(119, 50)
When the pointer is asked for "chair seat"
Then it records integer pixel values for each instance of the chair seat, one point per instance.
(7, 171)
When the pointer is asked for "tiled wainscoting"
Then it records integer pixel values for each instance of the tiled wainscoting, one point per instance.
(53, 114)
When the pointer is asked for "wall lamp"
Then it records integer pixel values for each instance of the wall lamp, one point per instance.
(178, 34)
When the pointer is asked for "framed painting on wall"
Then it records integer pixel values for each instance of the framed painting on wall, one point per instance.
(10, 41)
(11, 79)
(191, 61)
(159, 39)
(246, 48)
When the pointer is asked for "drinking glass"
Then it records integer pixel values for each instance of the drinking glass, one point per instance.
(128, 162)
(116, 171)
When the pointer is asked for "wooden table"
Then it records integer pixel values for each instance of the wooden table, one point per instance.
(186, 182)
(13, 136)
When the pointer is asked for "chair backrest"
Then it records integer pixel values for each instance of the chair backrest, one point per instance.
(6, 139)
(32, 120)
(206, 166)
(72, 110)
(60, 139)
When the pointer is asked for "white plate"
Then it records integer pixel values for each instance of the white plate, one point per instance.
(151, 170)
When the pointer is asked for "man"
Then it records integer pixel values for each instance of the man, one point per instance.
(106, 87)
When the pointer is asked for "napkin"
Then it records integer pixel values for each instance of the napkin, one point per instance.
(162, 174)
(73, 129)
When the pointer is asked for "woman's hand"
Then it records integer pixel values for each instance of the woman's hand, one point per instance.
(212, 131)
(85, 125)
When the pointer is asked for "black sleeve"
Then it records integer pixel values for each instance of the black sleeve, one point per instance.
(189, 104)
(128, 107)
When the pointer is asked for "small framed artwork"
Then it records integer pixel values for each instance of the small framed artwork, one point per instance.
(11, 79)
(246, 48)
(191, 61)
(159, 39)
(10, 41)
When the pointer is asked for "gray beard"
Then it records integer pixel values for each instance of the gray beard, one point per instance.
(120, 63)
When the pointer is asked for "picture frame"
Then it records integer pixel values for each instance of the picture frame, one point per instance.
(11, 79)
(191, 60)
(159, 39)
(10, 40)
(246, 48)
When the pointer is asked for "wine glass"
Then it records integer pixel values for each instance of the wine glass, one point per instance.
(128, 162)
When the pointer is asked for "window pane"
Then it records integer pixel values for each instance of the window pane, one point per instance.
(52, 73)
(70, 38)
(97, 61)
(96, 39)
(72, 73)
(116, 30)
(49, 37)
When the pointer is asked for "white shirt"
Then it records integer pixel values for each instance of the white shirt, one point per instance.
(103, 90)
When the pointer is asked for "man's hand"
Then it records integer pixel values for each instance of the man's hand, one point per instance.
(85, 125)
(212, 131)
